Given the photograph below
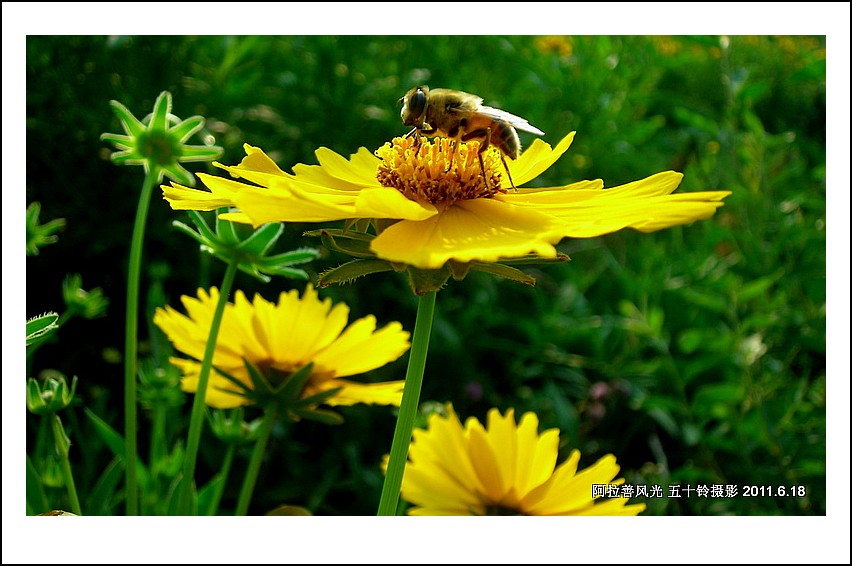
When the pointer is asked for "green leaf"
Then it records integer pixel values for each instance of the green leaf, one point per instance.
(758, 287)
(41, 326)
(206, 495)
(115, 442)
(104, 497)
(174, 500)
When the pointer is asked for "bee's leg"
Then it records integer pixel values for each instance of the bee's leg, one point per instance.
(506, 167)
(452, 156)
(485, 136)
(414, 131)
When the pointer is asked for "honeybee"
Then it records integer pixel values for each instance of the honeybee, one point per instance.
(462, 116)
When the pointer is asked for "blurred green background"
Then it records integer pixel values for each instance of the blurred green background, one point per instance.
(696, 355)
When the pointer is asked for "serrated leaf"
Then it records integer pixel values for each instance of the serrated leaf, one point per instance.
(41, 326)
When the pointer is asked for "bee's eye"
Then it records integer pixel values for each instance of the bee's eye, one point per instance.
(417, 103)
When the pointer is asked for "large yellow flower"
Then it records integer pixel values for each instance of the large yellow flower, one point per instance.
(280, 339)
(433, 204)
(502, 469)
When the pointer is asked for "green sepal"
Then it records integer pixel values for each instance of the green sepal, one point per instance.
(355, 246)
(338, 233)
(89, 304)
(227, 232)
(537, 260)
(349, 272)
(292, 387)
(261, 240)
(425, 281)
(40, 234)
(505, 272)
(233, 239)
(286, 396)
(322, 416)
(51, 396)
(230, 426)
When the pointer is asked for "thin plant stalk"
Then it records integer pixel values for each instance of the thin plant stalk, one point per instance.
(223, 474)
(256, 460)
(62, 445)
(196, 419)
(131, 340)
(408, 407)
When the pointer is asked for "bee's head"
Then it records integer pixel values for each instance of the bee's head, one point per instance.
(414, 106)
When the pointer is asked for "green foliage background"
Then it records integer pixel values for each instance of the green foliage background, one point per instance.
(696, 355)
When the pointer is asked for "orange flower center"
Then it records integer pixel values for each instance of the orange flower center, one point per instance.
(439, 171)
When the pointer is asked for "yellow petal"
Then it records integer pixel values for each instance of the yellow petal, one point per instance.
(428, 488)
(536, 454)
(585, 211)
(383, 202)
(361, 348)
(443, 449)
(503, 439)
(256, 167)
(285, 204)
(610, 507)
(295, 328)
(440, 512)
(184, 198)
(570, 492)
(218, 387)
(359, 170)
(384, 393)
(551, 195)
(536, 159)
(475, 230)
(485, 461)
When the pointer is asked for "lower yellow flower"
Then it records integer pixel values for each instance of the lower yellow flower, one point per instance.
(279, 340)
(502, 469)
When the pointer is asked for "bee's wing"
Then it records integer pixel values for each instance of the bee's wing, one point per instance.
(516, 121)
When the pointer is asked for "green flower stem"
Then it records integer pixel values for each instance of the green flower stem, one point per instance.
(158, 436)
(62, 446)
(196, 419)
(131, 340)
(223, 474)
(408, 406)
(256, 460)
